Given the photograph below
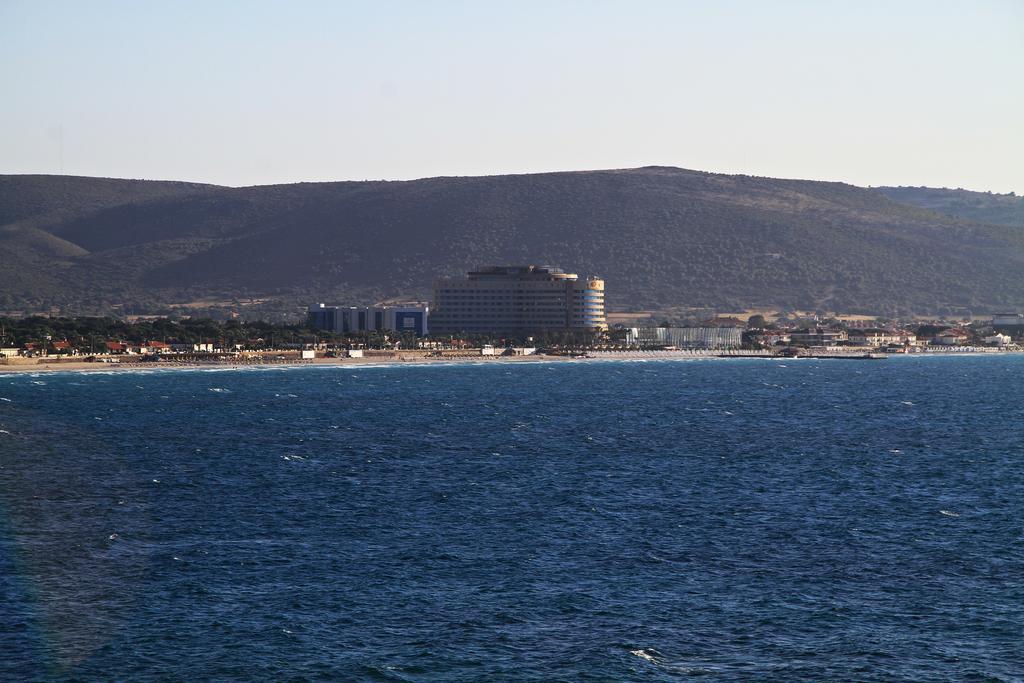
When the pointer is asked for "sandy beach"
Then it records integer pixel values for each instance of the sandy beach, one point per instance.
(36, 365)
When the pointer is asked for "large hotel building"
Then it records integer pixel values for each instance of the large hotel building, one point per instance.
(518, 299)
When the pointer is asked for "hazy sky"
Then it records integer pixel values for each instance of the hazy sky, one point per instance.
(239, 93)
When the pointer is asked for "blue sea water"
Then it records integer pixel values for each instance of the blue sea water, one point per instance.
(574, 521)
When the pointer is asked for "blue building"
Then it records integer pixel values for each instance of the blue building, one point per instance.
(353, 319)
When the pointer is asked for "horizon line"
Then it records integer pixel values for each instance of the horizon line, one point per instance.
(650, 167)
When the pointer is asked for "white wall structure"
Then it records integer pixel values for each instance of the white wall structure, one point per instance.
(686, 337)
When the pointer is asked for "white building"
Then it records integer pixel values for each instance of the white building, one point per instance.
(686, 337)
(949, 338)
(998, 339)
(876, 337)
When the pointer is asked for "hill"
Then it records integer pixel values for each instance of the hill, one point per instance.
(659, 236)
(49, 199)
(983, 207)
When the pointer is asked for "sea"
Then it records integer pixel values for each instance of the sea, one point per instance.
(727, 519)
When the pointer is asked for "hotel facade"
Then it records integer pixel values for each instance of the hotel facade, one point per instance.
(518, 300)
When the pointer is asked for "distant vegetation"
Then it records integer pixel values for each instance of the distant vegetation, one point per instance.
(983, 207)
(86, 332)
(660, 237)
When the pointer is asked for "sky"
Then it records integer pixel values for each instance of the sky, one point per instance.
(243, 93)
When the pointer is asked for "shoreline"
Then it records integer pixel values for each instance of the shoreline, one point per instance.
(86, 366)
(37, 368)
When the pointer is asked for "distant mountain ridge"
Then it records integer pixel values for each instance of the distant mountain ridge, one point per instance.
(983, 207)
(660, 236)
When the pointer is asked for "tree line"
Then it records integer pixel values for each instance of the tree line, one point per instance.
(87, 333)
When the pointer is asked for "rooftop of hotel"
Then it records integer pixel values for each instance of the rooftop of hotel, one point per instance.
(521, 272)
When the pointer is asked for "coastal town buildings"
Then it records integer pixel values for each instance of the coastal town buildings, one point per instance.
(192, 348)
(951, 337)
(818, 337)
(877, 337)
(353, 319)
(769, 338)
(518, 300)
